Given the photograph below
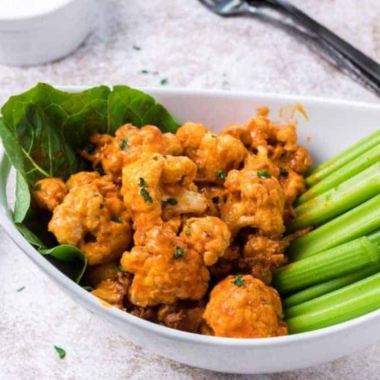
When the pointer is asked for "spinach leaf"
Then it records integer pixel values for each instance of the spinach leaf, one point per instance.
(41, 130)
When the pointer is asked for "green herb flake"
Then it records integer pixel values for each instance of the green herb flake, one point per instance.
(238, 281)
(164, 82)
(124, 143)
(284, 172)
(169, 202)
(117, 219)
(213, 136)
(37, 187)
(96, 195)
(222, 175)
(155, 158)
(90, 149)
(20, 289)
(144, 72)
(120, 269)
(263, 174)
(187, 232)
(135, 47)
(215, 200)
(178, 253)
(143, 183)
(145, 194)
(61, 352)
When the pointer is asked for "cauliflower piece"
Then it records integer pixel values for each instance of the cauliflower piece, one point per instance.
(97, 273)
(93, 218)
(129, 145)
(214, 156)
(111, 292)
(154, 183)
(244, 307)
(48, 193)
(256, 200)
(209, 236)
(183, 315)
(165, 270)
(262, 256)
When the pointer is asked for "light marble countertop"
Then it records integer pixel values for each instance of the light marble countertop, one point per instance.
(193, 49)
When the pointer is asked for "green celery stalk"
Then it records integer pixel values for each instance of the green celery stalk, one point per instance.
(333, 164)
(374, 237)
(338, 200)
(342, 305)
(358, 222)
(318, 290)
(326, 265)
(350, 169)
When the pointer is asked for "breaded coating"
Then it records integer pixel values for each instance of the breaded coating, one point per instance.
(209, 236)
(262, 256)
(111, 292)
(214, 155)
(129, 145)
(98, 273)
(48, 193)
(165, 270)
(157, 185)
(184, 316)
(244, 307)
(254, 201)
(93, 218)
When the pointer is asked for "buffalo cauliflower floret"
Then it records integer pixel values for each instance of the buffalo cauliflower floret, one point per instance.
(209, 236)
(48, 193)
(155, 187)
(165, 270)
(129, 144)
(214, 155)
(244, 307)
(93, 218)
(112, 292)
(255, 200)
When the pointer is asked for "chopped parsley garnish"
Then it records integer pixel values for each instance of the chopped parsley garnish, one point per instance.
(37, 187)
(215, 200)
(117, 219)
(61, 352)
(284, 172)
(169, 202)
(90, 149)
(178, 253)
(214, 136)
(20, 289)
(138, 48)
(143, 183)
(145, 194)
(264, 174)
(155, 158)
(101, 206)
(164, 82)
(144, 72)
(100, 171)
(222, 175)
(124, 143)
(96, 195)
(120, 269)
(187, 232)
(238, 281)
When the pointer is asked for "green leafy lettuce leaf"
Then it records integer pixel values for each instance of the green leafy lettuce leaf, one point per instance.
(41, 130)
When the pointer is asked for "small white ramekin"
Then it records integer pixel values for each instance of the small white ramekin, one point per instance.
(45, 36)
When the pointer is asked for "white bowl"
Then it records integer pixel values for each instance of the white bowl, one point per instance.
(36, 33)
(333, 125)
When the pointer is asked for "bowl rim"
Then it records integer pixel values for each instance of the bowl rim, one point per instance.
(9, 226)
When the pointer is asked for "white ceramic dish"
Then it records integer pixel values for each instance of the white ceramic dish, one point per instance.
(33, 33)
(332, 126)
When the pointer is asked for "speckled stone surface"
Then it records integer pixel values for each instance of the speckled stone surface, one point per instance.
(190, 48)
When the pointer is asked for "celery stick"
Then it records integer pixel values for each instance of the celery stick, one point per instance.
(342, 305)
(326, 265)
(333, 164)
(352, 168)
(355, 223)
(338, 200)
(374, 237)
(327, 287)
